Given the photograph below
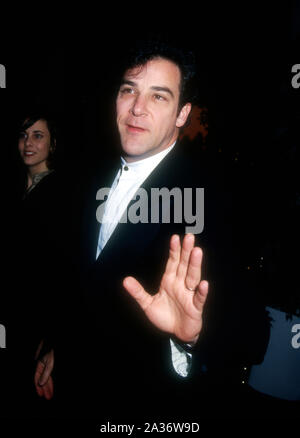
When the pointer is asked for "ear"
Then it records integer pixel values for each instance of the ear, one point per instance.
(183, 115)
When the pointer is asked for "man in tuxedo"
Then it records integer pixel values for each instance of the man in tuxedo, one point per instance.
(137, 338)
(144, 349)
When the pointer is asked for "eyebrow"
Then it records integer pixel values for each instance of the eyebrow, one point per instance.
(36, 131)
(154, 87)
(164, 89)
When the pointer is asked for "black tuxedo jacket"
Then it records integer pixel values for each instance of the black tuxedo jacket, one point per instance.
(126, 353)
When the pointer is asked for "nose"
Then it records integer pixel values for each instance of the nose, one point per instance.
(27, 140)
(139, 108)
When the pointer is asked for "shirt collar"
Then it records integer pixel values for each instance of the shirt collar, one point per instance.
(147, 164)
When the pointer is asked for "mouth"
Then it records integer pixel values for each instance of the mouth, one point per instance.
(135, 129)
(28, 153)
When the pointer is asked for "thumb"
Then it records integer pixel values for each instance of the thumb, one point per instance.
(136, 290)
(201, 295)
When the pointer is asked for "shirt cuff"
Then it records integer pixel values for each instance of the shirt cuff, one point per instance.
(181, 359)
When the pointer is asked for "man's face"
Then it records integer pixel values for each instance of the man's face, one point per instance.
(147, 109)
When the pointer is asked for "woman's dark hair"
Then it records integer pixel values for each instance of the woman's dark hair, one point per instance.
(30, 119)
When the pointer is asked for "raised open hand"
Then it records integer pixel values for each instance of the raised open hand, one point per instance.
(178, 305)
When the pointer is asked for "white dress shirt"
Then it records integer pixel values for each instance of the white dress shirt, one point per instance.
(127, 181)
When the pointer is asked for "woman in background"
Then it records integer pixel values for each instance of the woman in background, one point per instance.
(37, 259)
(37, 144)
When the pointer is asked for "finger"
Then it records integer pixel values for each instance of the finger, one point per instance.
(187, 246)
(37, 375)
(201, 295)
(137, 291)
(46, 372)
(48, 389)
(39, 389)
(174, 255)
(193, 276)
(44, 377)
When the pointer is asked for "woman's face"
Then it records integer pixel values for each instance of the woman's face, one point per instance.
(34, 146)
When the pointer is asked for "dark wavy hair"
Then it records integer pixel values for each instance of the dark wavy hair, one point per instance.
(148, 49)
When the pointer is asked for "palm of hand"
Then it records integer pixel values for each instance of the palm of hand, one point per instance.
(174, 308)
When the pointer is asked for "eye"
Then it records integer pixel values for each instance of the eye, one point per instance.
(127, 90)
(22, 135)
(159, 97)
(38, 136)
